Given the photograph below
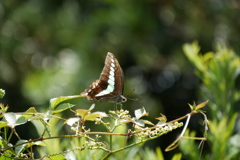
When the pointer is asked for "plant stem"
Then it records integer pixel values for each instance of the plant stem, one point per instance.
(110, 142)
(10, 136)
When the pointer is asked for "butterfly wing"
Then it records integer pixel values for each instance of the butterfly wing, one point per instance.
(109, 87)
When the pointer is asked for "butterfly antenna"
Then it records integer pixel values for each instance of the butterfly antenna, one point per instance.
(133, 99)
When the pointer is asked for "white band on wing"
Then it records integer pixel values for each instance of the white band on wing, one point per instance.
(111, 82)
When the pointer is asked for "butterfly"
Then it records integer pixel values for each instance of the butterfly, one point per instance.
(109, 87)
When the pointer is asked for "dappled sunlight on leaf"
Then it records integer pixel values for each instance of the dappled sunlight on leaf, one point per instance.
(54, 102)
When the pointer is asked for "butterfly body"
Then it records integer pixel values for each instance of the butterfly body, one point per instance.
(109, 87)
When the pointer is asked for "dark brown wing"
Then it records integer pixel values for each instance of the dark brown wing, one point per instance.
(119, 83)
(109, 87)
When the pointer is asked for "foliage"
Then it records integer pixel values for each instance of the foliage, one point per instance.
(218, 71)
(113, 140)
(46, 48)
(2, 93)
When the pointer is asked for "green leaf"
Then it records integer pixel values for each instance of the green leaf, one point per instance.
(221, 133)
(14, 119)
(20, 120)
(7, 155)
(92, 107)
(191, 107)
(10, 118)
(3, 109)
(208, 56)
(162, 118)
(140, 123)
(159, 153)
(91, 117)
(54, 102)
(148, 122)
(140, 113)
(3, 124)
(46, 124)
(102, 114)
(160, 123)
(20, 149)
(126, 120)
(4, 143)
(177, 156)
(234, 146)
(39, 143)
(82, 112)
(201, 105)
(62, 107)
(48, 115)
(30, 110)
(192, 51)
(72, 121)
(2, 93)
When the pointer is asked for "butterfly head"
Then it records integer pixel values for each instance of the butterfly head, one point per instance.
(123, 99)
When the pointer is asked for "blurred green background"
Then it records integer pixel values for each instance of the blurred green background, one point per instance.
(57, 48)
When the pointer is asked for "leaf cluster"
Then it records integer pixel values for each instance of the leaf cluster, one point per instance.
(83, 139)
(218, 71)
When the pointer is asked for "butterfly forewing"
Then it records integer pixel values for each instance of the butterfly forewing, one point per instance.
(109, 87)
